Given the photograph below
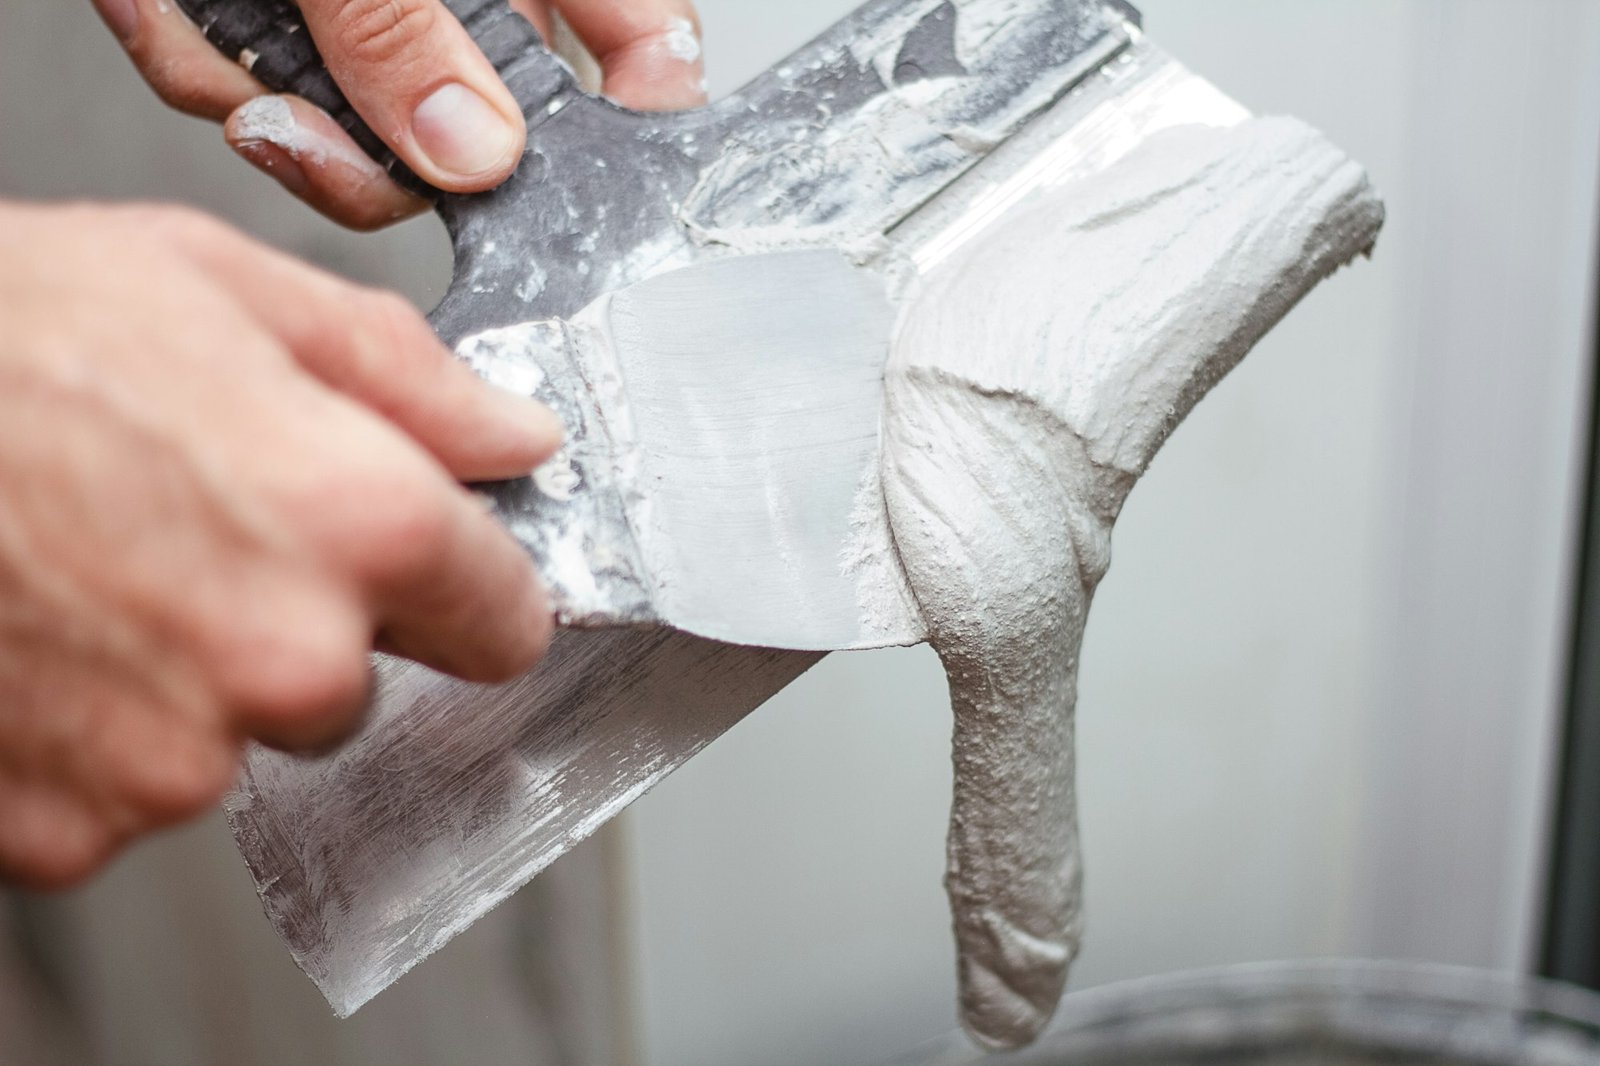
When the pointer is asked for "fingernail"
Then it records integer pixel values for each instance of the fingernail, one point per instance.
(461, 132)
(274, 161)
(122, 16)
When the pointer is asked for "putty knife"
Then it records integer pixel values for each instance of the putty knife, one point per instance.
(889, 141)
(721, 417)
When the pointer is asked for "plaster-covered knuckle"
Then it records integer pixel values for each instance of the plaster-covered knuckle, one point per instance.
(677, 39)
(379, 33)
(270, 120)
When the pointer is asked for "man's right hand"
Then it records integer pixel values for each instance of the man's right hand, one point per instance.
(419, 81)
(224, 477)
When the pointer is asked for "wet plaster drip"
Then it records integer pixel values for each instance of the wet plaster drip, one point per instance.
(1034, 377)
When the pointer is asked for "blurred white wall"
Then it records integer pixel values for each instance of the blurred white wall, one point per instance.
(1320, 683)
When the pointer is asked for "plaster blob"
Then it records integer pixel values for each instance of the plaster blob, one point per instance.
(1033, 378)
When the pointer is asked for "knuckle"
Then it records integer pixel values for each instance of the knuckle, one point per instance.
(383, 32)
(53, 869)
(184, 87)
(295, 677)
(395, 323)
(321, 682)
(185, 784)
(393, 333)
(522, 655)
(393, 308)
(307, 690)
(410, 532)
(368, 515)
(185, 228)
(51, 851)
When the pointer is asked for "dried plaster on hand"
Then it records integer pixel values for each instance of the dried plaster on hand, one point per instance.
(679, 43)
(270, 120)
(1032, 381)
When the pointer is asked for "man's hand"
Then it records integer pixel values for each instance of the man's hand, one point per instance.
(224, 477)
(417, 79)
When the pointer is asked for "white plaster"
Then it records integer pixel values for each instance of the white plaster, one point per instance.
(752, 418)
(1033, 379)
(270, 120)
(680, 40)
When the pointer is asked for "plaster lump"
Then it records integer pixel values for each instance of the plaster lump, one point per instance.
(1033, 378)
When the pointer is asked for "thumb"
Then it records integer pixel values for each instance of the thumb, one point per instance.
(414, 74)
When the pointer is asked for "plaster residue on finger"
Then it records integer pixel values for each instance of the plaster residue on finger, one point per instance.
(271, 120)
(1033, 378)
(678, 45)
(680, 40)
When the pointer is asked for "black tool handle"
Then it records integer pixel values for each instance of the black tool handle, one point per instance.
(269, 37)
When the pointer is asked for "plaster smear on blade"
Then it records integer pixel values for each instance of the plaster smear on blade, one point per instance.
(1032, 381)
(893, 136)
(712, 451)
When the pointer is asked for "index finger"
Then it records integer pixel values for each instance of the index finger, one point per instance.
(455, 592)
(376, 349)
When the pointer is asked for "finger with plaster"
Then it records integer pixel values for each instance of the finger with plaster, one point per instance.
(650, 53)
(307, 153)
